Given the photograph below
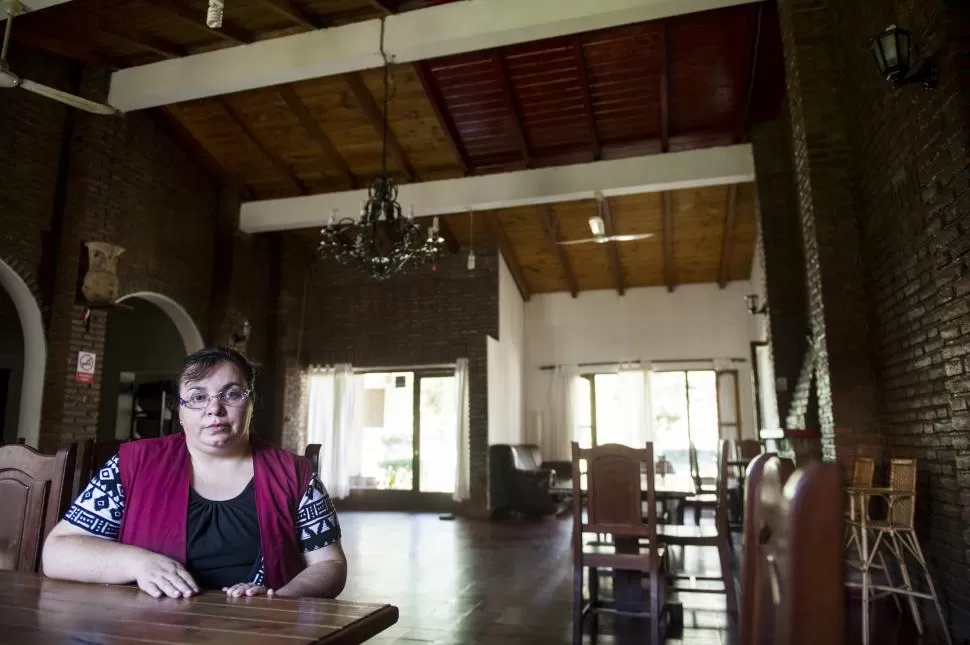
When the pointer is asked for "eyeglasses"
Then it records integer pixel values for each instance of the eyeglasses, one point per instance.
(233, 397)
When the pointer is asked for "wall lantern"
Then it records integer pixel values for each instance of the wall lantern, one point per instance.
(752, 300)
(896, 54)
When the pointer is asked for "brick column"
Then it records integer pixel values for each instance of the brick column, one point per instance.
(784, 263)
(835, 284)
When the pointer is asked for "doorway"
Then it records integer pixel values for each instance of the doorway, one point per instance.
(408, 438)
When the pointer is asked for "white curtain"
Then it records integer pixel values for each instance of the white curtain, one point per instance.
(462, 469)
(335, 423)
(559, 419)
(636, 417)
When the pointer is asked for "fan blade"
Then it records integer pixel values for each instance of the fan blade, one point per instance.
(630, 238)
(68, 99)
(596, 240)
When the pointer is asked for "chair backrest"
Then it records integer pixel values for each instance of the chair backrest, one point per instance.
(902, 479)
(798, 524)
(721, 513)
(695, 469)
(863, 469)
(754, 593)
(312, 452)
(34, 494)
(747, 448)
(91, 455)
(615, 487)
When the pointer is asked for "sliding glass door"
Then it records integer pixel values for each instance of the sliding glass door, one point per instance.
(409, 441)
(685, 407)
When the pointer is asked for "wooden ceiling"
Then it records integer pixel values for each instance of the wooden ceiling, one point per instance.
(686, 82)
(699, 235)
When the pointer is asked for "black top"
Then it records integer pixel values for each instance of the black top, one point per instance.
(222, 539)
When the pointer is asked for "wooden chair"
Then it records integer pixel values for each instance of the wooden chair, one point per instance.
(753, 590)
(705, 496)
(794, 582)
(312, 452)
(747, 448)
(91, 456)
(34, 494)
(614, 507)
(718, 536)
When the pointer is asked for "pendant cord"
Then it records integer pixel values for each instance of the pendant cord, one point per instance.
(387, 70)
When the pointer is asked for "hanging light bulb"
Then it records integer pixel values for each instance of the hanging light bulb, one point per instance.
(471, 243)
(213, 17)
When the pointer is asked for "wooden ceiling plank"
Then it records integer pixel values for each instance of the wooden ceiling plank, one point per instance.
(552, 234)
(445, 119)
(173, 120)
(315, 131)
(140, 40)
(729, 222)
(293, 13)
(745, 121)
(53, 40)
(498, 233)
(665, 89)
(612, 252)
(670, 274)
(386, 6)
(515, 114)
(577, 45)
(375, 116)
(177, 11)
(270, 155)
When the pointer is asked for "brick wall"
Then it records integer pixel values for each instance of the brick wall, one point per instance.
(884, 195)
(426, 317)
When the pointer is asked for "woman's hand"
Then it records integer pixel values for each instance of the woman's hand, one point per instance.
(246, 589)
(158, 575)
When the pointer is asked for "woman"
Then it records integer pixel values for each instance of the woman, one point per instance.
(211, 507)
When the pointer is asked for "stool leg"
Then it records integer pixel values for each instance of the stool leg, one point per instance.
(907, 583)
(918, 552)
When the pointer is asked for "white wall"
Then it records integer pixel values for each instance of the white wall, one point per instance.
(506, 364)
(649, 324)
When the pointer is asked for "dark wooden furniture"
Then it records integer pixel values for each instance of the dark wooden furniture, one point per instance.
(793, 570)
(614, 501)
(34, 493)
(42, 611)
(91, 456)
(312, 452)
(718, 535)
(518, 481)
(704, 496)
(747, 449)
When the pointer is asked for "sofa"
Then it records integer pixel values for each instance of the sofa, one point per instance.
(520, 482)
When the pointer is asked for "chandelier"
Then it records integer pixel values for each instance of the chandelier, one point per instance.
(383, 241)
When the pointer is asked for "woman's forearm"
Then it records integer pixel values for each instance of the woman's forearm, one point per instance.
(320, 580)
(89, 559)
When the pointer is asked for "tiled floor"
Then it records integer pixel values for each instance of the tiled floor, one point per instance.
(484, 583)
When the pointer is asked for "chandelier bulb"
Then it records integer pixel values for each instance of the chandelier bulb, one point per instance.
(362, 211)
(333, 216)
(411, 211)
(471, 259)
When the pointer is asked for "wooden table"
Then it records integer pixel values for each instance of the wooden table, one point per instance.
(40, 611)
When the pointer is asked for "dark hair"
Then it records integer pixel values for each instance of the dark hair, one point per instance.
(202, 363)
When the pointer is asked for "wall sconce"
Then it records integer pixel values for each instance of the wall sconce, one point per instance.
(752, 301)
(896, 53)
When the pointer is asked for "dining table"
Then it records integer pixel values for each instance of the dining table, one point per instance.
(42, 611)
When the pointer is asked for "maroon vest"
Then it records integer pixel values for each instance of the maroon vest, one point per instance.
(155, 476)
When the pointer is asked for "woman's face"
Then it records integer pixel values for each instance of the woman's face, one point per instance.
(223, 421)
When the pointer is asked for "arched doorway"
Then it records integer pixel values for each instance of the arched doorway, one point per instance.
(144, 348)
(27, 361)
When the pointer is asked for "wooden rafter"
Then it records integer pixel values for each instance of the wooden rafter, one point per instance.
(745, 120)
(665, 89)
(196, 19)
(577, 45)
(386, 6)
(376, 118)
(612, 252)
(729, 221)
(515, 114)
(497, 232)
(670, 275)
(315, 132)
(552, 233)
(292, 12)
(270, 155)
(445, 119)
(52, 39)
(172, 118)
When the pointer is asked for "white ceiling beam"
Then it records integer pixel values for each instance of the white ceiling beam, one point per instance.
(442, 30)
(661, 172)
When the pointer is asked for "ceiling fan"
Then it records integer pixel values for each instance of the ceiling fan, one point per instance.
(598, 227)
(9, 80)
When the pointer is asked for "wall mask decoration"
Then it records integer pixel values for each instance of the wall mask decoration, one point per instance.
(100, 284)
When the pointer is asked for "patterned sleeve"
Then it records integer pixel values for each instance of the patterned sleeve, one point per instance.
(316, 519)
(99, 507)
